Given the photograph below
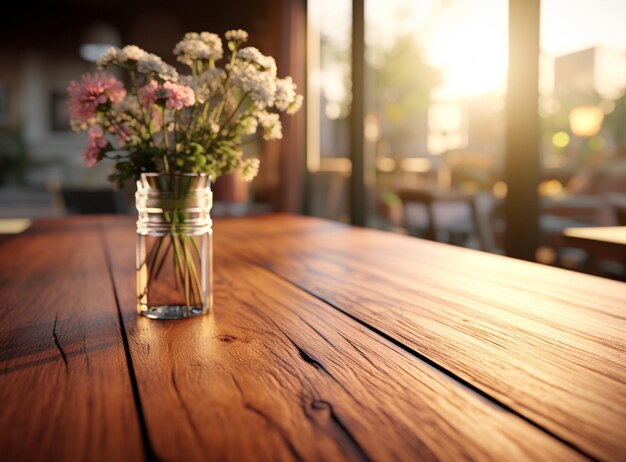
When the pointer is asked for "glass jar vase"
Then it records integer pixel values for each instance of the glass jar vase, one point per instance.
(174, 245)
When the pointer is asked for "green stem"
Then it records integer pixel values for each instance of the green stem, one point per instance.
(166, 144)
(175, 266)
(251, 139)
(187, 298)
(226, 88)
(144, 116)
(155, 257)
(160, 266)
(183, 274)
(195, 282)
(245, 95)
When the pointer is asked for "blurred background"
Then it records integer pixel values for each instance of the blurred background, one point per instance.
(407, 123)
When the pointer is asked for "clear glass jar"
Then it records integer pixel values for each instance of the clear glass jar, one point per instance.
(174, 245)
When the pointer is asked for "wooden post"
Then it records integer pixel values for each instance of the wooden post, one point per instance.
(358, 198)
(293, 158)
(522, 140)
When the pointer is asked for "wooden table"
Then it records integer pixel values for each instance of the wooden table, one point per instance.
(603, 241)
(326, 343)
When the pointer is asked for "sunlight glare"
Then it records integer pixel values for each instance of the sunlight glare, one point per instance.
(470, 47)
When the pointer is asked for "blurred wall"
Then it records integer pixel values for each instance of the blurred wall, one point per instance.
(39, 56)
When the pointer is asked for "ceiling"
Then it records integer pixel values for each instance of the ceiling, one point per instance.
(155, 25)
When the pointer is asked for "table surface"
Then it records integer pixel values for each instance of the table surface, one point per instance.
(326, 343)
(610, 234)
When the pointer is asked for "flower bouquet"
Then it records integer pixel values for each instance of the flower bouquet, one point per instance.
(173, 134)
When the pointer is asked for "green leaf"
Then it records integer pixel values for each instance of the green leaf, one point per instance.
(200, 160)
(197, 148)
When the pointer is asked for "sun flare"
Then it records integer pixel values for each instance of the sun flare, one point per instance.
(472, 53)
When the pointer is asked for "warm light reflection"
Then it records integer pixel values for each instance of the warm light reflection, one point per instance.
(372, 128)
(586, 120)
(416, 165)
(385, 164)
(500, 189)
(550, 188)
(335, 164)
(545, 255)
(14, 225)
(560, 139)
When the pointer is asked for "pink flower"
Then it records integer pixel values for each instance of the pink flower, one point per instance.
(85, 97)
(179, 96)
(96, 142)
(149, 94)
(172, 95)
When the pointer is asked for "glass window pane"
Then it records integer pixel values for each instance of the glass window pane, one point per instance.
(583, 120)
(435, 122)
(329, 98)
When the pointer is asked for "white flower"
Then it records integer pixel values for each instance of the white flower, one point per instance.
(250, 53)
(272, 128)
(133, 52)
(116, 56)
(237, 35)
(112, 55)
(249, 168)
(212, 40)
(253, 55)
(260, 85)
(285, 93)
(295, 105)
(152, 63)
(249, 125)
(286, 97)
(203, 46)
(264, 90)
(210, 108)
(208, 84)
(214, 79)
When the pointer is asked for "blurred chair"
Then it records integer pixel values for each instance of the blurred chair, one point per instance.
(330, 191)
(617, 205)
(428, 199)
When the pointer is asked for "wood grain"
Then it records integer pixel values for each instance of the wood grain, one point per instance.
(275, 374)
(548, 343)
(65, 391)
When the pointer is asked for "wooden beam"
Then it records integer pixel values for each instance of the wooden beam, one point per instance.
(522, 140)
(293, 157)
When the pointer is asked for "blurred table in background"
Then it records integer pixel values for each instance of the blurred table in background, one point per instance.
(600, 241)
(576, 207)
